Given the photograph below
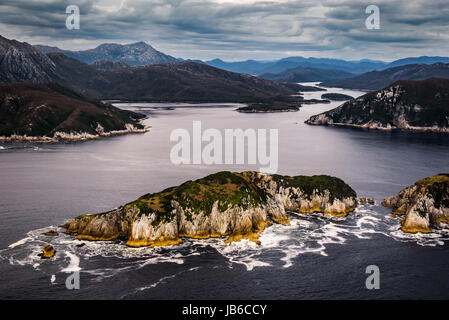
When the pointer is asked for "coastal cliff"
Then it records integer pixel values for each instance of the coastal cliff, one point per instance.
(407, 105)
(235, 205)
(424, 203)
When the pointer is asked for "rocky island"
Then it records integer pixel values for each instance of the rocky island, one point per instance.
(267, 108)
(423, 204)
(336, 96)
(225, 204)
(50, 112)
(315, 101)
(278, 104)
(421, 105)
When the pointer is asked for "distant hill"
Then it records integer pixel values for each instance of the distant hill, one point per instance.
(134, 54)
(421, 105)
(262, 67)
(182, 81)
(376, 80)
(302, 74)
(186, 81)
(50, 110)
(359, 66)
(417, 60)
(249, 66)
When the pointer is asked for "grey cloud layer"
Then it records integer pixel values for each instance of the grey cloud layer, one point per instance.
(238, 29)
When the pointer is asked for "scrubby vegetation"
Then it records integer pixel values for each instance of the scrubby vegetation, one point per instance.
(229, 189)
(308, 184)
(437, 188)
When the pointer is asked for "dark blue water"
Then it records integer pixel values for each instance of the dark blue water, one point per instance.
(44, 185)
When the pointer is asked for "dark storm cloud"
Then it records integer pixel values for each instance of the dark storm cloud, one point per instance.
(237, 29)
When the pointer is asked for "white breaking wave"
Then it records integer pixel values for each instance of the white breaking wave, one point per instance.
(307, 233)
(74, 265)
(19, 243)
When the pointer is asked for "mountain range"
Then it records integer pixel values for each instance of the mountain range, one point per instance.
(262, 67)
(290, 69)
(113, 71)
(285, 65)
(180, 81)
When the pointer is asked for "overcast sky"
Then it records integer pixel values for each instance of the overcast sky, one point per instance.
(238, 30)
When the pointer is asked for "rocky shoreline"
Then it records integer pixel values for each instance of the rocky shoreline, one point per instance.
(423, 204)
(75, 136)
(226, 204)
(373, 125)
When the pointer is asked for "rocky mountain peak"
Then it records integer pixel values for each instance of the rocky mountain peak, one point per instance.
(133, 54)
(20, 61)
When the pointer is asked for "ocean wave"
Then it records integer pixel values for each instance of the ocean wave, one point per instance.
(307, 233)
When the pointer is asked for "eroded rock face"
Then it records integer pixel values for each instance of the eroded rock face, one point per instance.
(424, 203)
(237, 205)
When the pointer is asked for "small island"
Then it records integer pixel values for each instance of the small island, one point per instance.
(336, 96)
(423, 204)
(268, 107)
(315, 101)
(225, 204)
(279, 103)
